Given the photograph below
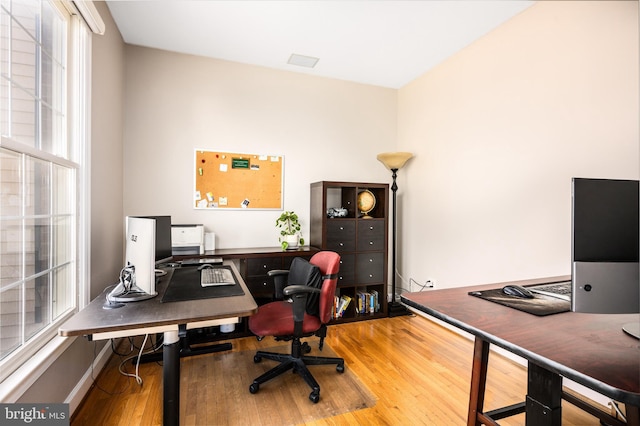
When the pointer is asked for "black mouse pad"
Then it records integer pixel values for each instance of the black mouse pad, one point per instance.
(540, 305)
(185, 285)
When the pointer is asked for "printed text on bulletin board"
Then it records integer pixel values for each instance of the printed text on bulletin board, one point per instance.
(226, 180)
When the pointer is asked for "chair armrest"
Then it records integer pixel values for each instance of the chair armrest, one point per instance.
(279, 281)
(297, 294)
(291, 290)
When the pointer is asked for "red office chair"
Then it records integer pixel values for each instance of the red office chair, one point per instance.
(305, 312)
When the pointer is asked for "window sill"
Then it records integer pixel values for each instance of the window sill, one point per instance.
(15, 385)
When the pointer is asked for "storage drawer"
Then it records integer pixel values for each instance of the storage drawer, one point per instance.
(370, 268)
(262, 265)
(347, 272)
(371, 235)
(260, 286)
(341, 235)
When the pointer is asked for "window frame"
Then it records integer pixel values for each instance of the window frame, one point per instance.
(21, 369)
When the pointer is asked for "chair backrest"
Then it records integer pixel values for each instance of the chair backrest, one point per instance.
(329, 264)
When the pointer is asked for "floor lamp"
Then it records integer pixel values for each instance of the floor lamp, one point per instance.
(394, 161)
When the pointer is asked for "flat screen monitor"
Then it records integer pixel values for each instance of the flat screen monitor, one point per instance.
(163, 249)
(605, 246)
(138, 277)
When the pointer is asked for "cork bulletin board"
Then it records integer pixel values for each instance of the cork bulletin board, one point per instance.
(226, 180)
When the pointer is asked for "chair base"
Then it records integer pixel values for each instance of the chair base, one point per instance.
(297, 362)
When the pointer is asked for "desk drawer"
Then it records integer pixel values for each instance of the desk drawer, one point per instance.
(260, 286)
(262, 265)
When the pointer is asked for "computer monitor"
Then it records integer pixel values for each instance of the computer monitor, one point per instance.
(163, 250)
(137, 278)
(605, 246)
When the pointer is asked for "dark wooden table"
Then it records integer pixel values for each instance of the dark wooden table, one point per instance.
(590, 349)
(152, 316)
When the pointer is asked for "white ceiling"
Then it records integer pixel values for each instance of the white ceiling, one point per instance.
(383, 43)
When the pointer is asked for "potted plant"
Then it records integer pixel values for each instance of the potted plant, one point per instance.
(289, 227)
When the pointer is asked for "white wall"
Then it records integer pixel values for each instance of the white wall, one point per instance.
(498, 131)
(326, 129)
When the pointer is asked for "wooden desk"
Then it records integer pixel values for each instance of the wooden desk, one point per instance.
(589, 349)
(153, 316)
(256, 252)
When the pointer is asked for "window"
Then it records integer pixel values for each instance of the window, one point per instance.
(41, 175)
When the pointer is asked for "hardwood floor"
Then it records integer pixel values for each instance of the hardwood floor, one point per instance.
(418, 370)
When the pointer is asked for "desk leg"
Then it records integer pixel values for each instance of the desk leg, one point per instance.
(478, 381)
(633, 415)
(544, 397)
(171, 379)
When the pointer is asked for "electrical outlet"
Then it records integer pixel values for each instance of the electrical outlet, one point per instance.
(418, 286)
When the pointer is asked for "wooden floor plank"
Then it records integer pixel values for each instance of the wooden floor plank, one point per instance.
(418, 371)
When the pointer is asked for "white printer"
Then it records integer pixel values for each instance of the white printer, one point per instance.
(187, 239)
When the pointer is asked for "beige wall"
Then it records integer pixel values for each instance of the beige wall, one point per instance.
(107, 168)
(326, 129)
(498, 131)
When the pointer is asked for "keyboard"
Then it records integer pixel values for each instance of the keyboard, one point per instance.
(210, 277)
(560, 290)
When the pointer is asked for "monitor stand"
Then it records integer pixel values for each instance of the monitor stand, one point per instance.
(134, 295)
(632, 329)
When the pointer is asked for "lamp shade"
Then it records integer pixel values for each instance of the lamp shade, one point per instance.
(394, 160)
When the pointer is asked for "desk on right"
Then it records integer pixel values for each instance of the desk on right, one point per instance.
(590, 349)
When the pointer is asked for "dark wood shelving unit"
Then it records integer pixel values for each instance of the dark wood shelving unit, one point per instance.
(361, 240)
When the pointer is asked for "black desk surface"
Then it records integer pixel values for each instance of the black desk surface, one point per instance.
(94, 319)
(590, 349)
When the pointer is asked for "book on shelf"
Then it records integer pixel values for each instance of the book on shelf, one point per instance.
(368, 302)
(342, 303)
(375, 301)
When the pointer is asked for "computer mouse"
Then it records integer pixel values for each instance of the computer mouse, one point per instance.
(517, 291)
(205, 266)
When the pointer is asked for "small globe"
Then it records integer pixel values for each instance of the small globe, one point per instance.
(366, 202)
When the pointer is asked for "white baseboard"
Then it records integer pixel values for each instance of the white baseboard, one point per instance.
(84, 385)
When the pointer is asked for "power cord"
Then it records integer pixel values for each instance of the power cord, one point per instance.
(155, 345)
(135, 375)
(614, 405)
(421, 287)
(126, 283)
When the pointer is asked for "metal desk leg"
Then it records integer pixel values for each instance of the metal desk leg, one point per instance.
(171, 378)
(478, 383)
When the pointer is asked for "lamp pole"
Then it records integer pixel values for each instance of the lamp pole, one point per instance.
(395, 308)
(394, 162)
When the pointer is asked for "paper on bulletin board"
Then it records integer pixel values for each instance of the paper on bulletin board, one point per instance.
(226, 180)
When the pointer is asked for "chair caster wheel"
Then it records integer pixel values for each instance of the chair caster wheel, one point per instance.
(257, 359)
(254, 388)
(340, 368)
(306, 348)
(314, 397)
